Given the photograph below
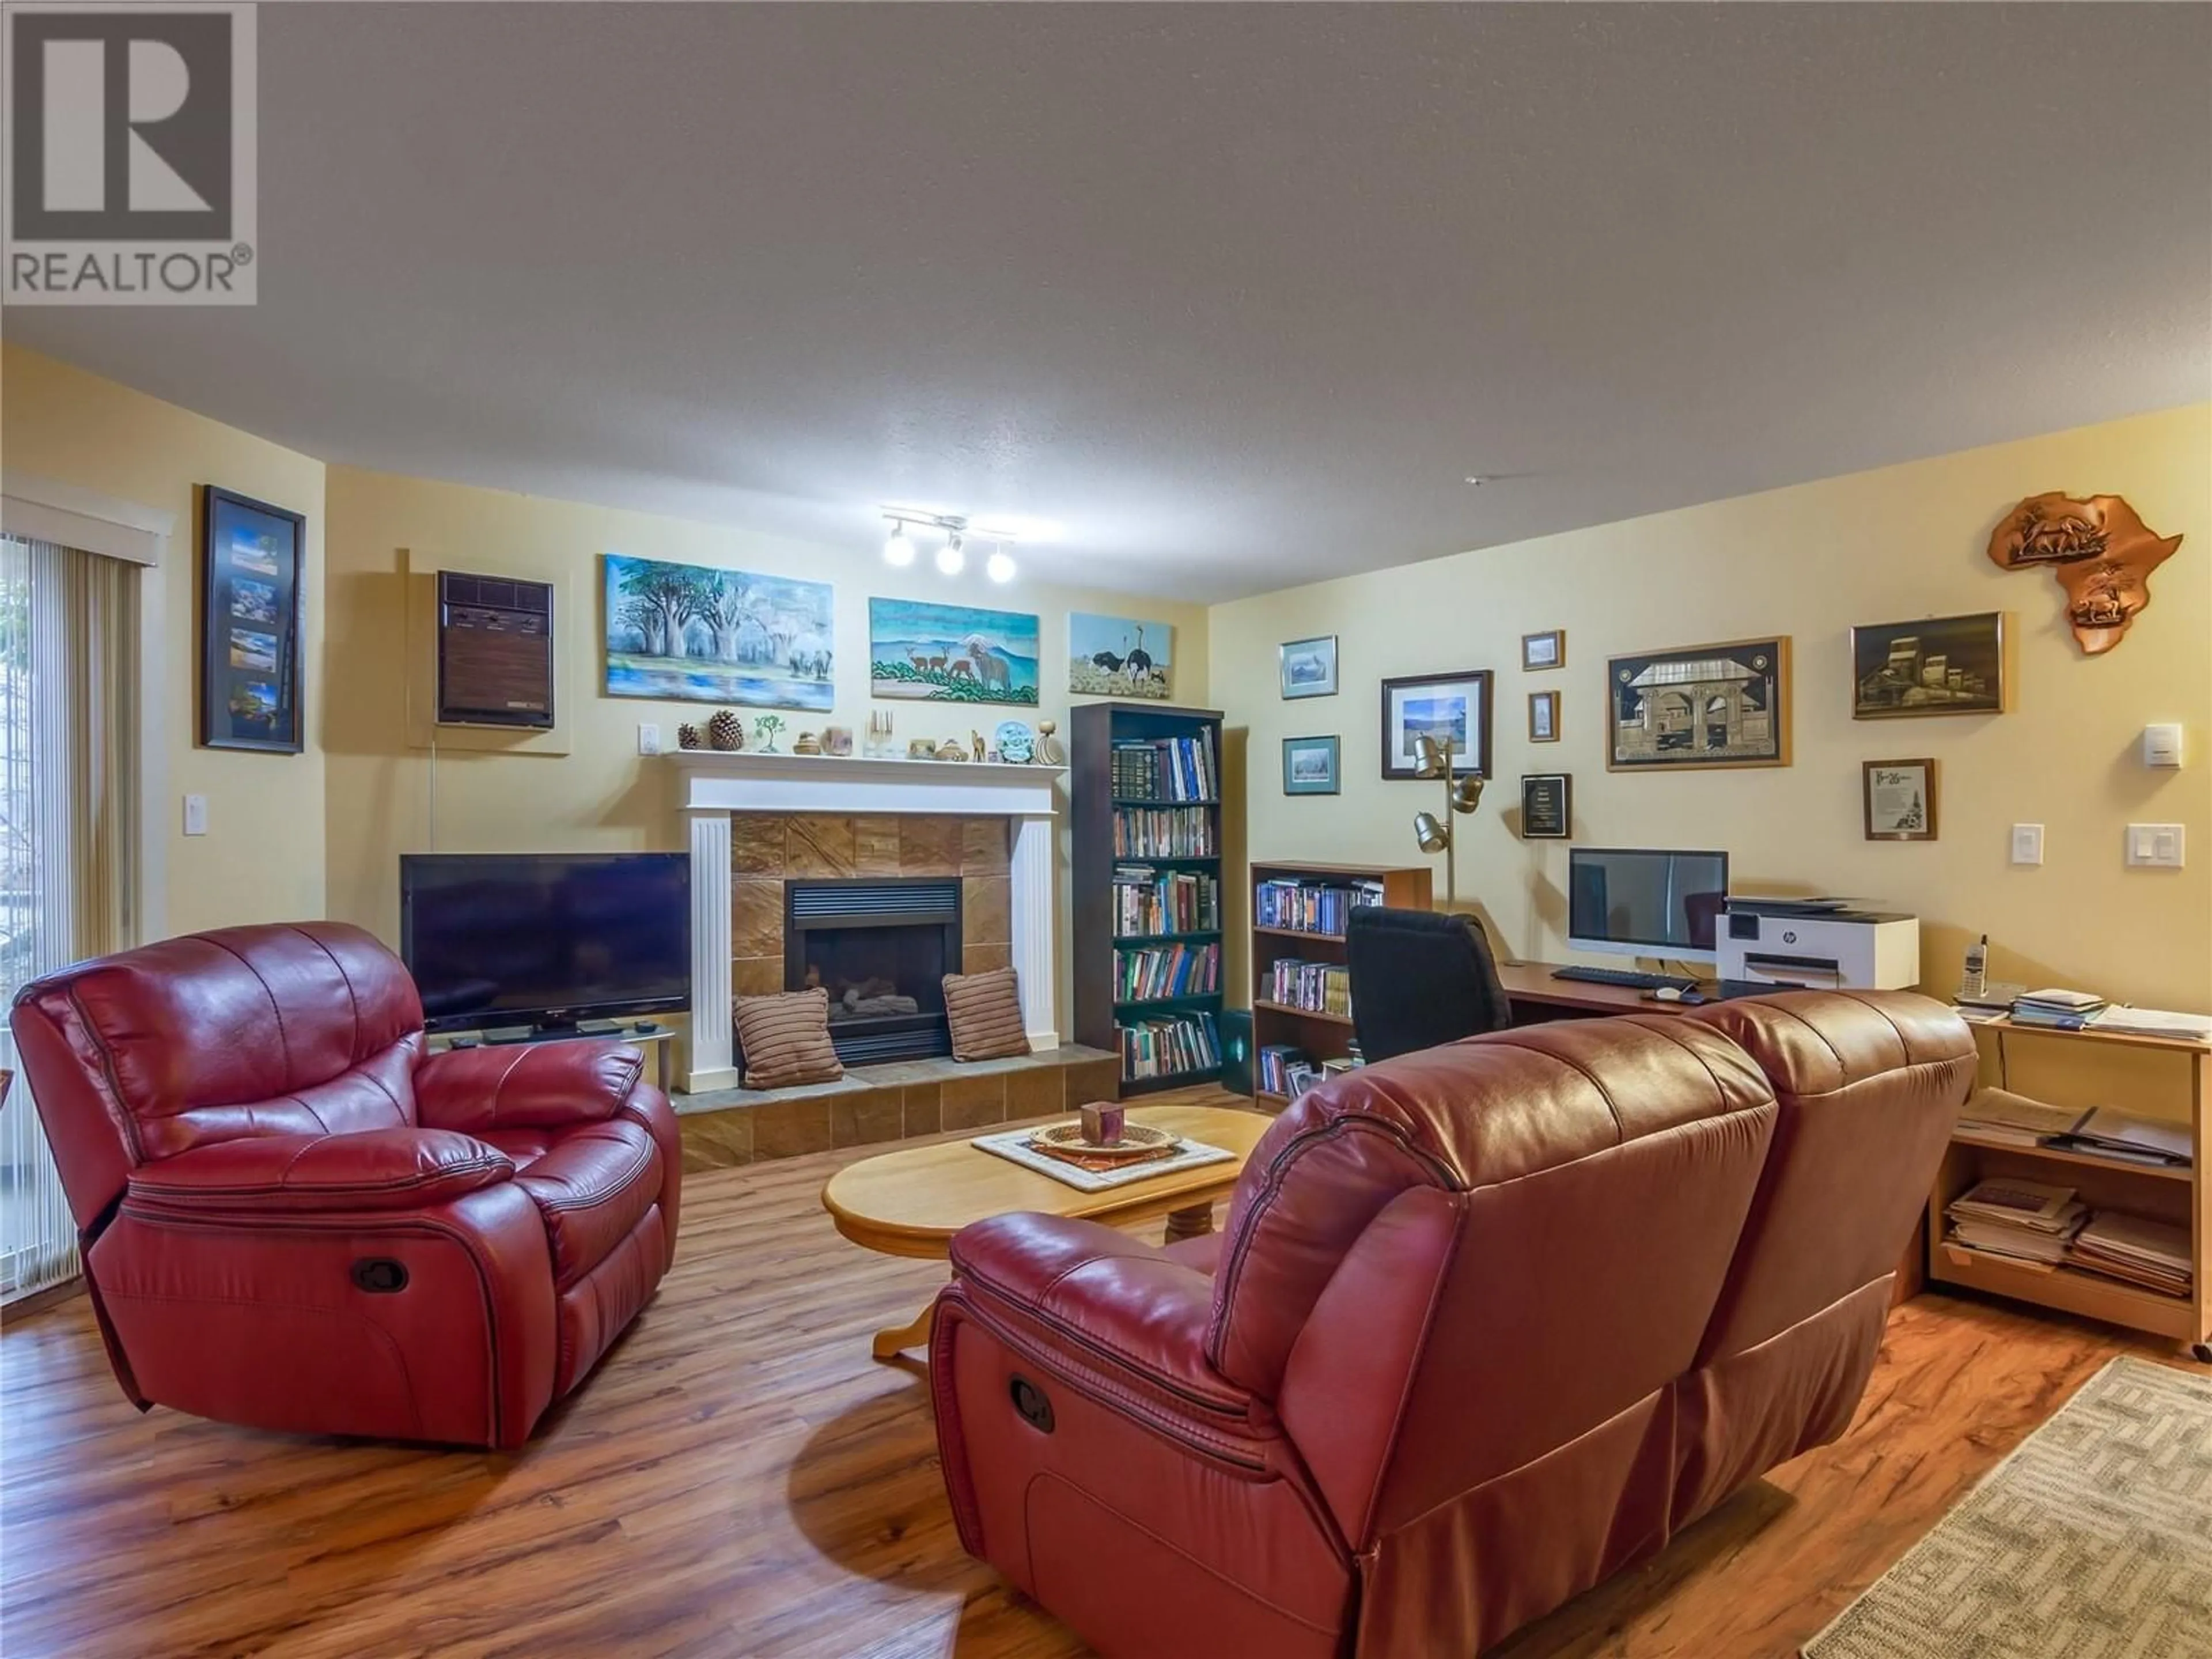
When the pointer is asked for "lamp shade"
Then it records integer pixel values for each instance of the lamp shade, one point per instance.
(1432, 835)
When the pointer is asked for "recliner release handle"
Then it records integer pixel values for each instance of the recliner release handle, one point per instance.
(380, 1275)
(1030, 1405)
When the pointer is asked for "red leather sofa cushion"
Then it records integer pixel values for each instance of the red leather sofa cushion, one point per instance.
(375, 1170)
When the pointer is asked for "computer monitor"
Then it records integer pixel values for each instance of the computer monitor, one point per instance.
(1639, 902)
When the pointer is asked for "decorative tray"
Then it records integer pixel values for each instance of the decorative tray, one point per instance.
(1137, 1140)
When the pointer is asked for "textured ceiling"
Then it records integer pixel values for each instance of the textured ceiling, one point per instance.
(1236, 294)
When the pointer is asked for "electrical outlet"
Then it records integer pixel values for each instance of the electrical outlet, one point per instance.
(648, 738)
(2027, 843)
(2156, 846)
(196, 815)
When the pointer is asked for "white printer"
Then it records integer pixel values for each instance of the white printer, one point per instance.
(1820, 943)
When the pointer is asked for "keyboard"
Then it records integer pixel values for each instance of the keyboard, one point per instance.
(1627, 977)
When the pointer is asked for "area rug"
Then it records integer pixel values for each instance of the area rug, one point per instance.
(2092, 1540)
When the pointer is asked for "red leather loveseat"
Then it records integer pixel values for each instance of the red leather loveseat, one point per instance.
(293, 1219)
(1487, 1323)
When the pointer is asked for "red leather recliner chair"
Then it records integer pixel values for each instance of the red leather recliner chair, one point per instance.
(1486, 1324)
(294, 1219)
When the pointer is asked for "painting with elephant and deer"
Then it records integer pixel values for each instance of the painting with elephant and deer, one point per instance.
(951, 653)
(702, 634)
(1118, 656)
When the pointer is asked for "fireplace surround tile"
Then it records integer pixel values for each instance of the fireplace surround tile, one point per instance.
(929, 846)
(756, 844)
(817, 847)
(987, 910)
(985, 846)
(876, 846)
(757, 976)
(756, 919)
(984, 958)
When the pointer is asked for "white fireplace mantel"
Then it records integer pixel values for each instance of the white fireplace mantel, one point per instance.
(718, 782)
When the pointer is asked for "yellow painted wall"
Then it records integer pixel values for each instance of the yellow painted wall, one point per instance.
(600, 794)
(1808, 561)
(262, 858)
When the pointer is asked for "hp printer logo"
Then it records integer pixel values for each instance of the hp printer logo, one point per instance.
(130, 145)
(1790, 936)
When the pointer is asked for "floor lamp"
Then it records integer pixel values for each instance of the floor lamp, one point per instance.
(1462, 793)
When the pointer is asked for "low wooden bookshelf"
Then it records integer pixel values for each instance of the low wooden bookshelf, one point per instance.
(1109, 809)
(2179, 1197)
(1323, 1036)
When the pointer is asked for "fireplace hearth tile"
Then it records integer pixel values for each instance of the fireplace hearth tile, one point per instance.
(876, 846)
(973, 1102)
(984, 958)
(757, 976)
(786, 1128)
(817, 846)
(756, 919)
(922, 1106)
(717, 1140)
(929, 846)
(756, 844)
(1093, 1079)
(984, 848)
(1037, 1092)
(865, 1116)
(987, 910)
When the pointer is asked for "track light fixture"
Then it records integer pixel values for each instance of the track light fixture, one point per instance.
(952, 558)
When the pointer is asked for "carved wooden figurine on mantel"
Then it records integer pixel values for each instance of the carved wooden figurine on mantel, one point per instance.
(2100, 550)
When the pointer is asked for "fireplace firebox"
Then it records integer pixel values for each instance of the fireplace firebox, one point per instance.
(881, 948)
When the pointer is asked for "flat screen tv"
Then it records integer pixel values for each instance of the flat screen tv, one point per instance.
(546, 939)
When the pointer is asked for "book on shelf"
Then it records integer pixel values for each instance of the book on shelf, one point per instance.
(1165, 769)
(1168, 1047)
(1316, 987)
(1149, 973)
(1277, 1061)
(1147, 901)
(1307, 906)
(1164, 832)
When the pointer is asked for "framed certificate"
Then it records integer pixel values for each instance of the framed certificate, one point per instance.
(1546, 805)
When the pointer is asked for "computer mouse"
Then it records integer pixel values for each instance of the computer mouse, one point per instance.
(1668, 994)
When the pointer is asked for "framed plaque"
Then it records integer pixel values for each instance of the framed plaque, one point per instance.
(1546, 805)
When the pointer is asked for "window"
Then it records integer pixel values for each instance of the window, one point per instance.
(69, 836)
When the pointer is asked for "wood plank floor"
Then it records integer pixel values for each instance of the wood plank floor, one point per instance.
(739, 1478)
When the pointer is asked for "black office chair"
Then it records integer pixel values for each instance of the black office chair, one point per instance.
(1420, 979)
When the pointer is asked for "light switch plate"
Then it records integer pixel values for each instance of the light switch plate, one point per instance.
(2157, 846)
(196, 815)
(2027, 843)
(648, 738)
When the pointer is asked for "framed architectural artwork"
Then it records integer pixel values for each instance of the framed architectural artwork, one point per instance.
(1309, 766)
(251, 604)
(1543, 717)
(1699, 706)
(951, 653)
(1935, 665)
(1308, 666)
(694, 633)
(1546, 805)
(1545, 650)
(1119, 656)
(1900, 799)
(1453, 709)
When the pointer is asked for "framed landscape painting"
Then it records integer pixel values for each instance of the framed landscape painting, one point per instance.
(1308, 667)
(1118, 656)
(696, 634)
(1936, 666)
(1309, 766)
(1453, 709)
(1699, 706)
(251, 602)
(951, 653)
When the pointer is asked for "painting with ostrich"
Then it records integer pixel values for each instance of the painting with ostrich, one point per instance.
(951, 653)
(699, 635)
(1118, 656)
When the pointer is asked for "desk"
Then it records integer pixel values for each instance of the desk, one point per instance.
(1535, 995)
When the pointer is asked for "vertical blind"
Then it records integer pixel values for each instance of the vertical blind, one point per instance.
(69, 836)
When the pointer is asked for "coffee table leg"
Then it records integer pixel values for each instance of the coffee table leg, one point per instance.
(892, 1342)
(1193, 1223)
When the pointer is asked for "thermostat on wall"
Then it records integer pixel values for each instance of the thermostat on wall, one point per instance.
(2162, 745)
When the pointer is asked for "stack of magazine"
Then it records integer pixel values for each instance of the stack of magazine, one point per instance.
(2150, 1254)
(2023, 1221)
(2059, 1011)
(1999, 1117)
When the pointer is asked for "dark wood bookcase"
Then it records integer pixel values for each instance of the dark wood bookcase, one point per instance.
(1321, 1035)
(1101, 1016)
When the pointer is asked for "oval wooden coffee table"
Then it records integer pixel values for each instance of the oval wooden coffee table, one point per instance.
(911, 1202)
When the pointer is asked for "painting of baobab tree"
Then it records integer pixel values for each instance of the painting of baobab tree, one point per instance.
(687, 632)
(951, 653)
(1118, 656)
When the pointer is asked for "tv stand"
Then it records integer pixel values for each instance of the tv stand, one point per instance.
(656, 1038)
